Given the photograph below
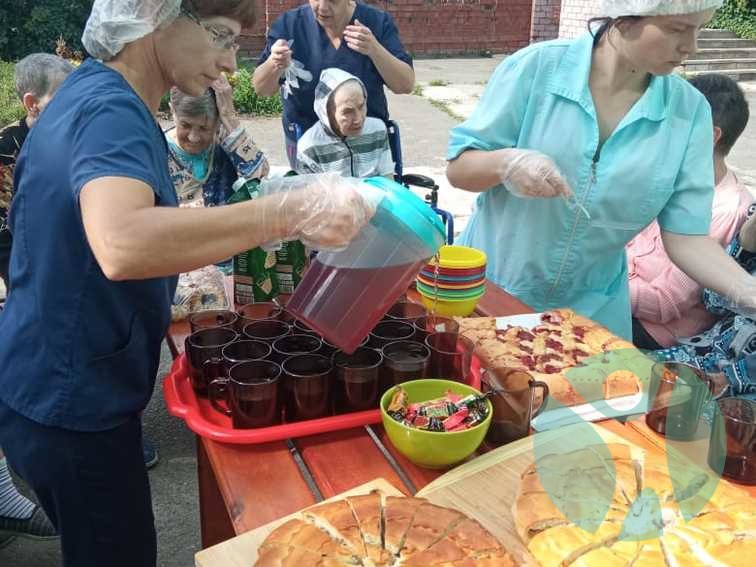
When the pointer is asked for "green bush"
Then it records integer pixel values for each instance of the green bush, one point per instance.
(27, 26)
(10, 107)
(738, 16)
(247, 101)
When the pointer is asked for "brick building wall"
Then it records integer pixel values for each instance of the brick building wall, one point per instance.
(545, 21)
(431, 26)
(575, 15)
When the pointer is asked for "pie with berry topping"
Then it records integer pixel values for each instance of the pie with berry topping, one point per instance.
(562, 340)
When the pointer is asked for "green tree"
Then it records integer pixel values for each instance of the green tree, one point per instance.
(27, 26)
(738, 16)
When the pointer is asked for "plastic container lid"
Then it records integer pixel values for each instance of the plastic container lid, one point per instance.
(412, 211)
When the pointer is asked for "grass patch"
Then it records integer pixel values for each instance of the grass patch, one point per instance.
(10, 107)
(444, 107)
(438, 83)
(417, 90)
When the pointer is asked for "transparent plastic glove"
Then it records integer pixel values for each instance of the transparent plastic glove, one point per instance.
(292, 74)
(324, 211)
(528, 173)
(741, 298)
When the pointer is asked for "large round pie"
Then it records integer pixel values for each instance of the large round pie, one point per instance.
(377, 530)
(721, 531)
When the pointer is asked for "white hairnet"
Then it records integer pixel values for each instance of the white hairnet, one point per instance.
(617, 8)
(114, 23)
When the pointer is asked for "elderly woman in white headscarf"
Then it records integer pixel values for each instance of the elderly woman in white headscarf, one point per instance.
(99, 241)
(604, 122)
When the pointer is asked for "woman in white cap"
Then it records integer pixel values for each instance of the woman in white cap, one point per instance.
(98, 239)
(602, 123)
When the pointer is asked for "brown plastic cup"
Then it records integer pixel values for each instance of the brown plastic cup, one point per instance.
(301, 328)
(515, 403)
(292, 345)
(212, 319)
(732, 446)
(404, 361)
(451, 356)
(204, 354)
(408, 311)
(252, 312)
(680, 392)
(389, 331)
(251, 393)
(244, 350)
(266, 330)
(308, 386)
(282, 301)
(434, 324)
(357, 380)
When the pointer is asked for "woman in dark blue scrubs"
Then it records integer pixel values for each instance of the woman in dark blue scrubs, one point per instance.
(354, 37)
(98, 241)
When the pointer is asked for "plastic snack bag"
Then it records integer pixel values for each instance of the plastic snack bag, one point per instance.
(199, 290)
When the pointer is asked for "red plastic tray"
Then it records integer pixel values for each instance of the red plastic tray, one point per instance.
(204, 420)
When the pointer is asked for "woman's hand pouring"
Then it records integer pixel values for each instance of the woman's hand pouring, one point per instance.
(324, 211)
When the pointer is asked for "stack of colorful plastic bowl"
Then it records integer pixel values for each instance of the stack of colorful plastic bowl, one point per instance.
(456, 284)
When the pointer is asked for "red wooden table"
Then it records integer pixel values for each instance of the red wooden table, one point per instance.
(242, 487)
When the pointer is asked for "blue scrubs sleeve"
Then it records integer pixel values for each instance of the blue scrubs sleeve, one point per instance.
(688, 210)
(497, 119)
(277, 31)
(97, 153)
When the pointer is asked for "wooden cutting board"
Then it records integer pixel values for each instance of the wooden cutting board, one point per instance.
(241, 551)
(485, 488)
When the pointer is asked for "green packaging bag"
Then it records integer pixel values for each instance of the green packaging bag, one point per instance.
(291, 261)
(255, 278)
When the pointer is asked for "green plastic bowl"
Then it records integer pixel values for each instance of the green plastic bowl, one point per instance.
(432, 449)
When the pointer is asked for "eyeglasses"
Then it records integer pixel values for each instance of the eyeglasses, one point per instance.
(225, 40)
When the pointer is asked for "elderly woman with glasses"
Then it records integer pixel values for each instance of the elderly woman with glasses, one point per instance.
(208, 147)
(99, 241)
(354, 37)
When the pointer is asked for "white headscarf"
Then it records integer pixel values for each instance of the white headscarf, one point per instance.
(114, 23)
(617, 8)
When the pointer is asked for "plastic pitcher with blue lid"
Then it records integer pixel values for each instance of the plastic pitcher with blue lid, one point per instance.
(345, 293)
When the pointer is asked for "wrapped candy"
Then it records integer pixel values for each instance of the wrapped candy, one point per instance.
(449, 413)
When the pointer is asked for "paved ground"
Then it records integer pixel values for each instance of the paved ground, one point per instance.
(424, 133)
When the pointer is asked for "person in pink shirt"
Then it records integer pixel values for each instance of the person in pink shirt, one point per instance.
(666, 303)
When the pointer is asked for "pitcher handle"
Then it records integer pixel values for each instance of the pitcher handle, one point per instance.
(545, 387)
(218, 389)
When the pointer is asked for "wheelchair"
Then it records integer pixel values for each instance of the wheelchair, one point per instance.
(410, 179)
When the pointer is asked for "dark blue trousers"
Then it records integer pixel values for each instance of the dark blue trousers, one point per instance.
(92, 485)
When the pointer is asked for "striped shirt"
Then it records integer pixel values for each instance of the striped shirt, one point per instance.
(365, 155)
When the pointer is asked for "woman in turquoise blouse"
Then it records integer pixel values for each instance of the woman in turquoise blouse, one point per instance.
(602, 124)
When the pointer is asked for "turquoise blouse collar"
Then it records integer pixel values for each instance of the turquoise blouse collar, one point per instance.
(570, 80)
